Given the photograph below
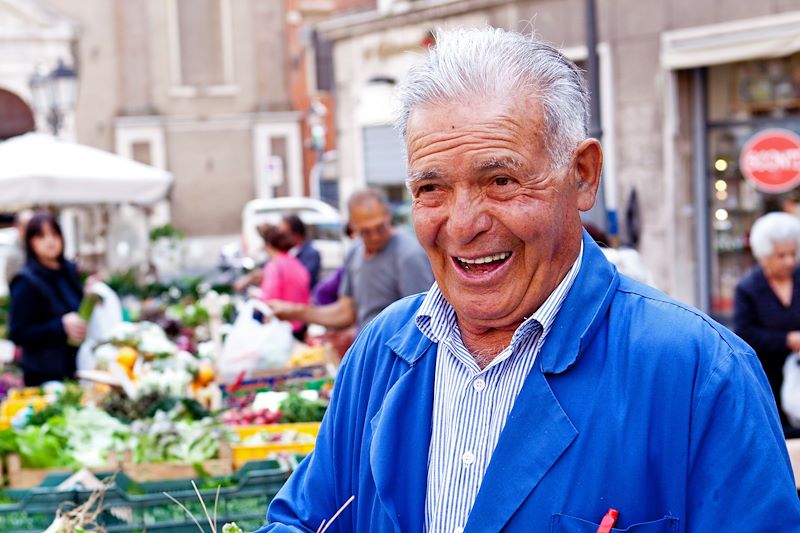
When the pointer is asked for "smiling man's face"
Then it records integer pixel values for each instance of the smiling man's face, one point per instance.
(500, 226)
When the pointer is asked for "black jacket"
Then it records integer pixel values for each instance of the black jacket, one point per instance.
(762, 321)
(40, 297)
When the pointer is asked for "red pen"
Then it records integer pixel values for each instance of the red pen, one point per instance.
(608, 521)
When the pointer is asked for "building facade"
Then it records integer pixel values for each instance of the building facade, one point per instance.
(31, 36)
(683, 86)
(198, 87)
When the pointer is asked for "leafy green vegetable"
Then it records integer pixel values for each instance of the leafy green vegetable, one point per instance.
(44, 446)
(8, 442)
(167, 231)
(168, 438)
(191, 408)
(119, 405)
(295, 408)
(70, 396)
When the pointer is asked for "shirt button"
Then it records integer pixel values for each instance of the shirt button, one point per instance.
(479, 384)
(458, 530)
(468, 458)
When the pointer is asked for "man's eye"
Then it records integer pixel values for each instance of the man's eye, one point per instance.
(502, 181)
(428, 187)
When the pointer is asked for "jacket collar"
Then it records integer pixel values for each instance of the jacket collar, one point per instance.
(408, 342)
(582, 311)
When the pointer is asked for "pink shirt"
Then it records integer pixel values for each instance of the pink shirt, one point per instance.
(285, 278)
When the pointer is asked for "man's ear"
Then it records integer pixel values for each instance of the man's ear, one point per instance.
(587, 162)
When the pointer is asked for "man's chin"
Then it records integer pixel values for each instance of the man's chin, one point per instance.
(479, 317)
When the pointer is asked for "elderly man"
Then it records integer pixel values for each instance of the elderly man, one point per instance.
(385, 265)
(533, 388)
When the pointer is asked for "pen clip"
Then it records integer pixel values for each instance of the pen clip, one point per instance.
(608, 521)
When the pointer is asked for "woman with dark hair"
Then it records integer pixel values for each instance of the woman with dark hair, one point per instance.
(285, 278)
(45, 295)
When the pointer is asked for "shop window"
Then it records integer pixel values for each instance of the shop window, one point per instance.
(141, 152)
(752, 89)
(323, 52)
(743, 100)
(384, 162)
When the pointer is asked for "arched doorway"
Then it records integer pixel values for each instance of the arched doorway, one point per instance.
(16, 117)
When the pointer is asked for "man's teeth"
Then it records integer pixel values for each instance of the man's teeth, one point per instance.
(486, 259)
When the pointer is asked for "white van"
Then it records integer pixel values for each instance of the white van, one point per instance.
(324, 226)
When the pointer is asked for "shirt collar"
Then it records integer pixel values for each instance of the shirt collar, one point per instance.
(436, 318)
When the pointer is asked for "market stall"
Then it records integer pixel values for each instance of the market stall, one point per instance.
(157, 410)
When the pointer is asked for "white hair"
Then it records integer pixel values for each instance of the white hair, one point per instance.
(469, 63)
(773, 228)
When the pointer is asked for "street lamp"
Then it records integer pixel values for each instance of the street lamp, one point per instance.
(316, 124)
(54, 93)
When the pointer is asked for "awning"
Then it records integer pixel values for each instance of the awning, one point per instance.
(37, 169)
(729, 42)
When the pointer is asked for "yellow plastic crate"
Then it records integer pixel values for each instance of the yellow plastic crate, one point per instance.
(244, 452)
(24, 392)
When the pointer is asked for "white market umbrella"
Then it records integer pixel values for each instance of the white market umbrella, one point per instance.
(40, 169)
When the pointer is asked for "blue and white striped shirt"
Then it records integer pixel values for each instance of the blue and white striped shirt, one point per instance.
(470, 405)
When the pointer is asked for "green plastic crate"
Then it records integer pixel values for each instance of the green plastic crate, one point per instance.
(130, 507)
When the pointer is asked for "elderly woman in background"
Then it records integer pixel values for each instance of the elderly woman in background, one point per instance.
(767, 301)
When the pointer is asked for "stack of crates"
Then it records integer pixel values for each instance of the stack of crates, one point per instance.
(130, 507)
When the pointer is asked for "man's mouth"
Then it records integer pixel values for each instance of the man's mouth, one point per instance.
(481, 265)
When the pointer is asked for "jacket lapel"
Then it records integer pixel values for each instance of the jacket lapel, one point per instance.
(538, 431)
(515, 469)
(401, 432)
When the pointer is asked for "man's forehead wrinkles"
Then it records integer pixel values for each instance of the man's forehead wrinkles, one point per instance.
(434, 144)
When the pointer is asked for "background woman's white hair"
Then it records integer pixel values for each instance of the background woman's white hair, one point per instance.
(469, 63)
(773, 228)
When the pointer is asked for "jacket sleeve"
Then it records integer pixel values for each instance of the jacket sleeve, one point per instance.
(740, 477)
(314, 265)
(324, 481)
(748, 324)
(26, 327)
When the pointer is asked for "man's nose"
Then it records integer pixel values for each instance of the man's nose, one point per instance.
(468, 217)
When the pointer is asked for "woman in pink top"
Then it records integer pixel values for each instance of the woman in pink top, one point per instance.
(285, 277)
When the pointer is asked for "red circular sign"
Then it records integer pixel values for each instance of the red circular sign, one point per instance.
(771, 160)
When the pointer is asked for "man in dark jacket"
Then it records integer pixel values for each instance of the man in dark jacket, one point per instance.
(302, 250)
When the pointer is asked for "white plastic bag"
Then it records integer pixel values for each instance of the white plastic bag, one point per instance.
(790, 390)
(106, 315)
(252, 345)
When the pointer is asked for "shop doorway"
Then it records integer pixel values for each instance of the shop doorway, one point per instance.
(16, 117)
(743, 99)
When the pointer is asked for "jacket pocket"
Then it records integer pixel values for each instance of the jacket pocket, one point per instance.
(562, 523)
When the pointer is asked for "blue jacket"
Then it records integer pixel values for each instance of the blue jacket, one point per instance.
(636, 402)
